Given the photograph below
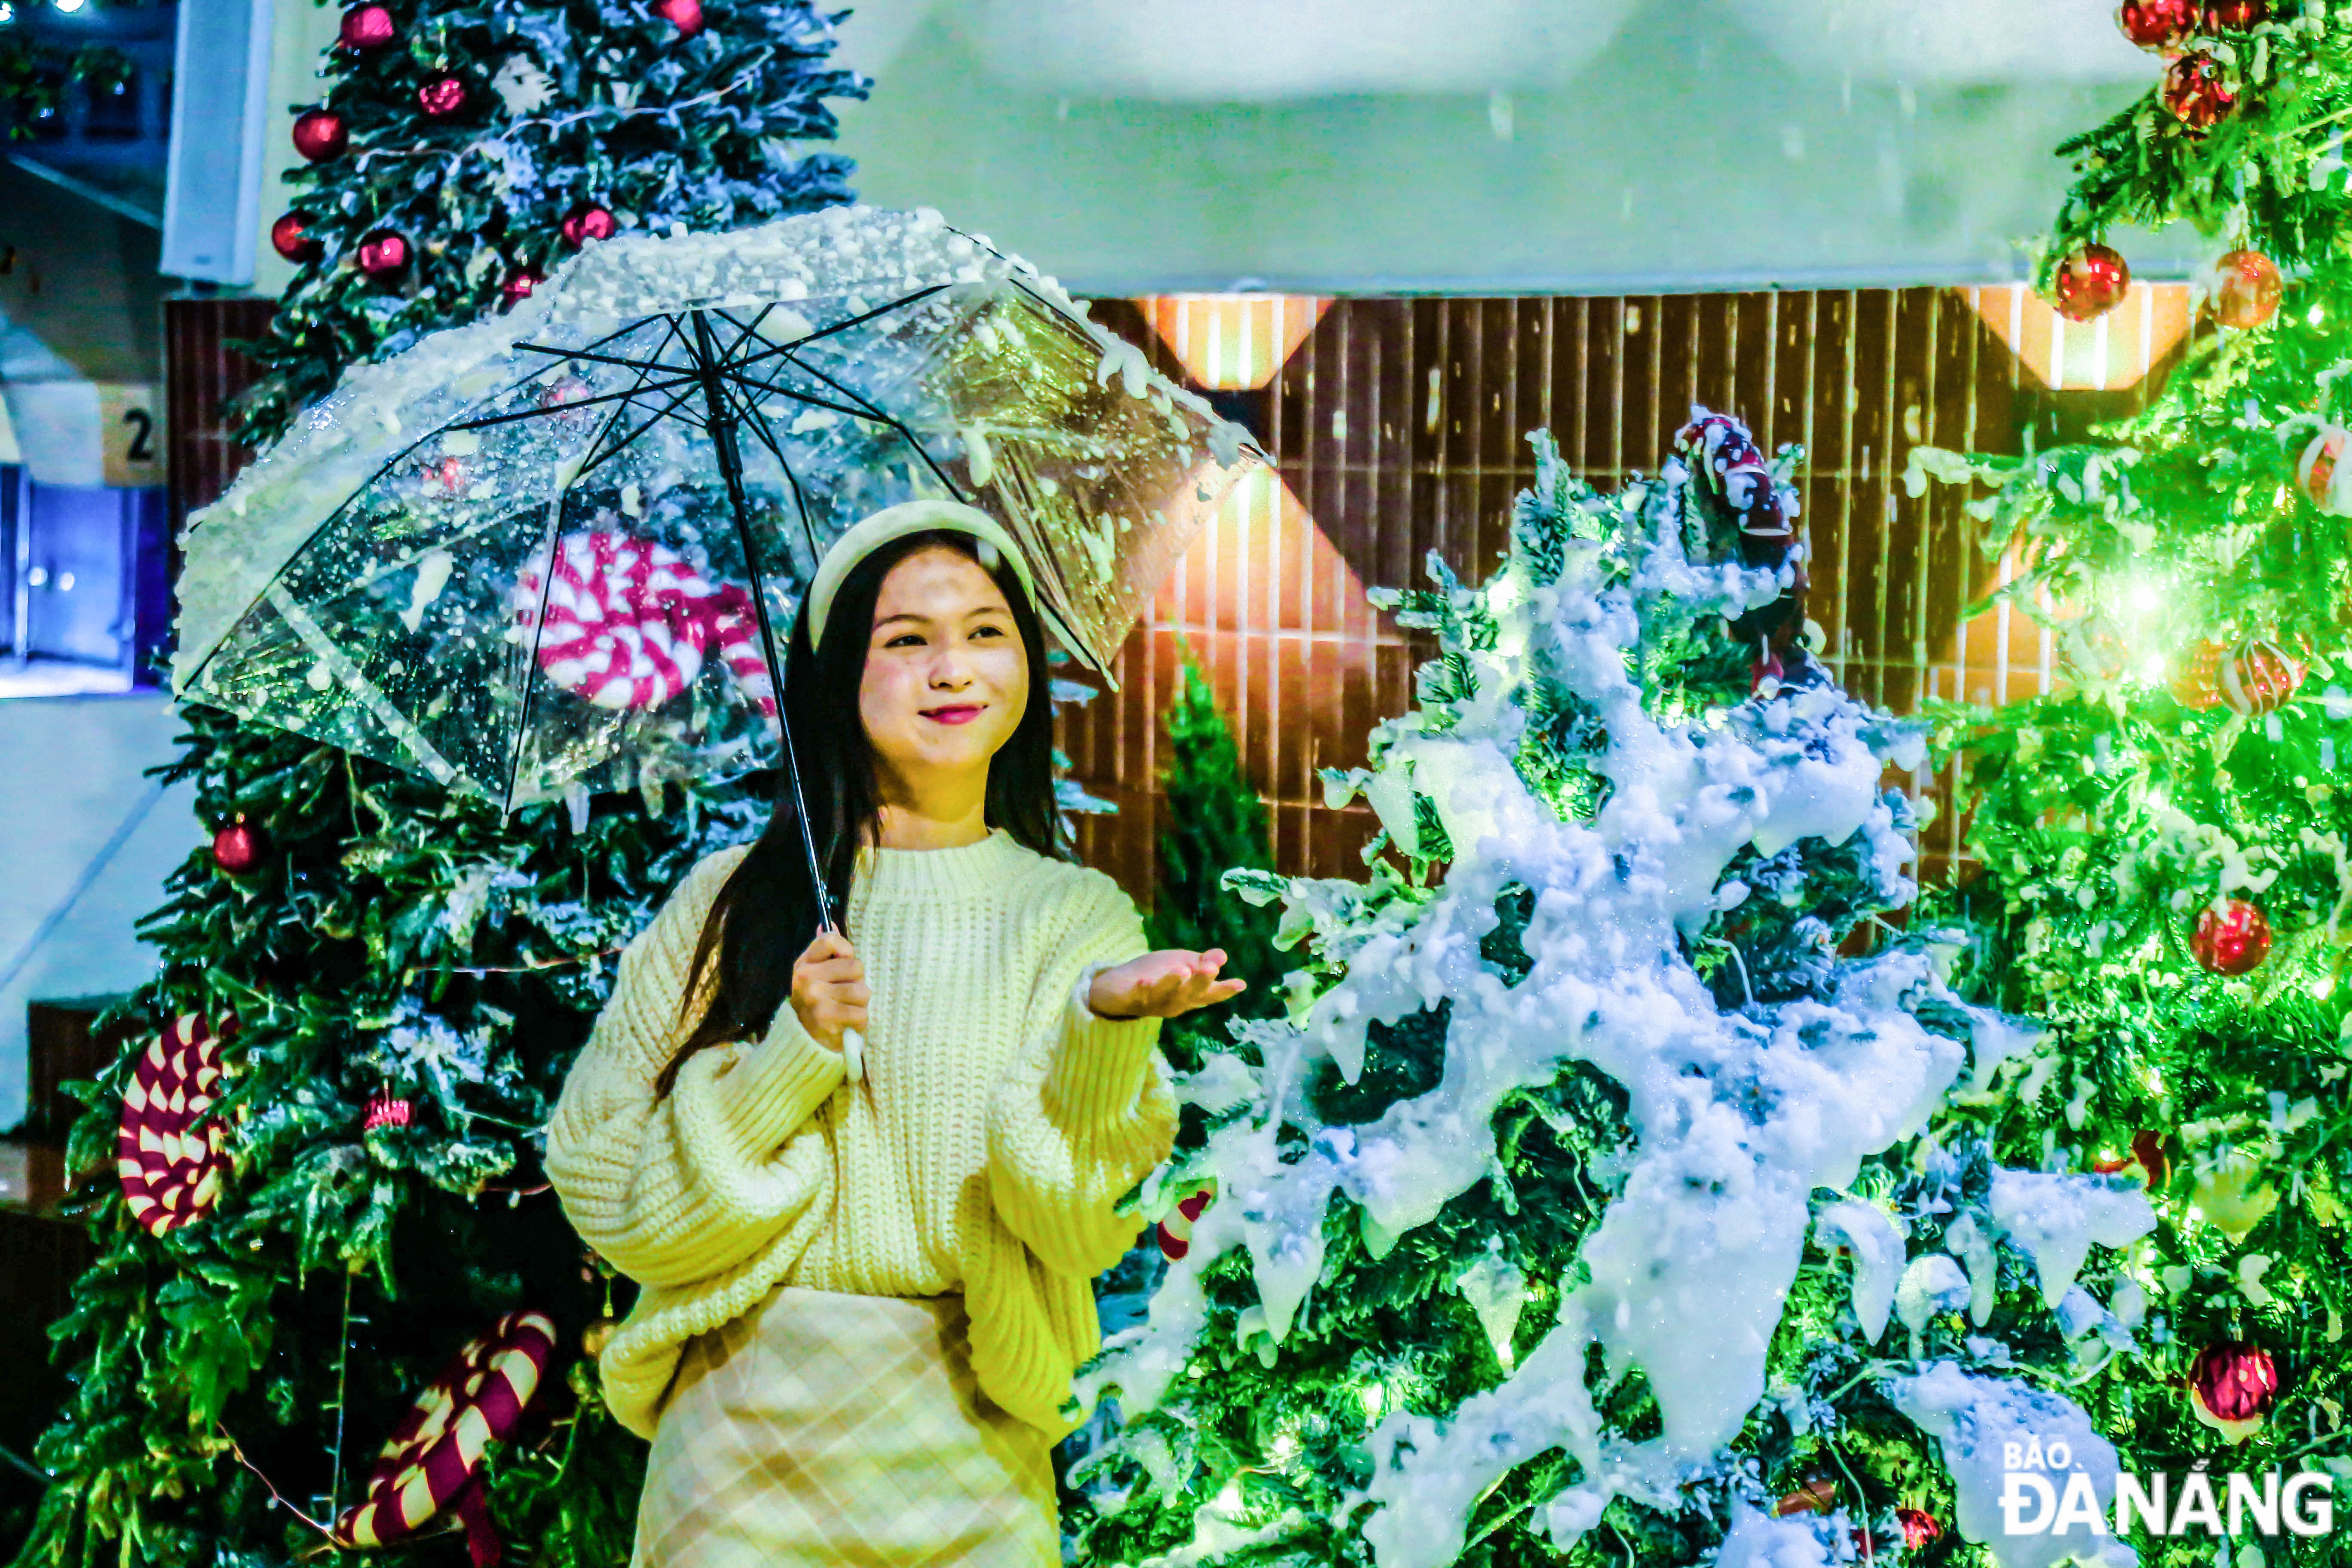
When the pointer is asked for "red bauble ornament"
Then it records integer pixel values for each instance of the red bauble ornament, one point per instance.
(2232, 1386)
(290, 238)
(2091, 282)
(1768, 668)
(442, 97)
(2230, 940)
(2236, 15)
(1176, 1230)
(586, 223)
(2158, 24)
(320, 135)
(520, 283)
(2198, 92)
(383, 253)
(1919, 1527)
(368, 27)
(686, 16)
(2259, 678)
(2315, 473)
(236, 849)
(2245, 286)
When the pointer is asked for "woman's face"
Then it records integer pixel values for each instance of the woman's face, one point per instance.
(946, 679)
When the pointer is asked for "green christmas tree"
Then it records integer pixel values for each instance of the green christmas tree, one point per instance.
(1216, 824)
(409, 974)
(463, 150)
(1619, 1188)
(2160, 839)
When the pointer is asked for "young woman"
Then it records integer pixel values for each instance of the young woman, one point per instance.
(865, 1176)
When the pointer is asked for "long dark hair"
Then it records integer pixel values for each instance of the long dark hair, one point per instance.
(766, 915)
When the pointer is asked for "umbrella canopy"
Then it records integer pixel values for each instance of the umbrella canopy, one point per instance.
(560, 549)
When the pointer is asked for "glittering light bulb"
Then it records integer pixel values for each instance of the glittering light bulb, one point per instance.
(69, 6)
(2323, 987)
(1369, 1394)
(2144, 597)
(1229, 1501)
(2153, 671)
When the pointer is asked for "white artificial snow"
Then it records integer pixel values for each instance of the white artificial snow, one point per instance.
(1758, 1539)
(1979, 1423)
(1966, 1240)
(1498, 1291)
(2055, 1218)
(1932, 1284)
(1870, 1233)
(1737, 1117)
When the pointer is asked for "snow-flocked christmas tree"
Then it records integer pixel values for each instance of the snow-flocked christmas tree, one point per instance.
(1620, 1188)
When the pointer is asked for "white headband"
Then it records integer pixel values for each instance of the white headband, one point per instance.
(870, 534)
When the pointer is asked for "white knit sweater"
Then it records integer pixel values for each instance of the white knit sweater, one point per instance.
(998, 1121)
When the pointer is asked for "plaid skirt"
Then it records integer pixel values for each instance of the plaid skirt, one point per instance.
(823, 1428)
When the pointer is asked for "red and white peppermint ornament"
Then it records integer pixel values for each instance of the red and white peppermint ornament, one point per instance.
(1176, 1230)
(167, 1146)
(628, 622)
(433, 1459)
(2259, 678)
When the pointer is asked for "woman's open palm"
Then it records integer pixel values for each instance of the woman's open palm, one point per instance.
(1161, 985)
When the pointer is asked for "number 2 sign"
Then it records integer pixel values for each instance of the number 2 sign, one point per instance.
(131, 427)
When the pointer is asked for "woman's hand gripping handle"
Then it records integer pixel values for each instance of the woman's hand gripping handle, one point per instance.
(829, 995)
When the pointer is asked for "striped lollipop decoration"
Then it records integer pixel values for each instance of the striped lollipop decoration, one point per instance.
(433, 1459)
(167, 1146)
(1176, 1231)
(628, 623)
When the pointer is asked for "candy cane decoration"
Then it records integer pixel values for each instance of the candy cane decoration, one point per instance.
(432, 1460)
(168, 1143)
(628, 623)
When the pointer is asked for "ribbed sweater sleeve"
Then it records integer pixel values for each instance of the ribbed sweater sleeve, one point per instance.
(1086, 1110)
(681, 1188)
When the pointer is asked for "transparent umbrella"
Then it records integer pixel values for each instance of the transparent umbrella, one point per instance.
(561, 550)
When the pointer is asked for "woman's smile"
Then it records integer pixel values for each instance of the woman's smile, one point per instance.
(956, 713)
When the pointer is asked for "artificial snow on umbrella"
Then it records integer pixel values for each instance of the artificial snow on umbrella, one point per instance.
(560, 549)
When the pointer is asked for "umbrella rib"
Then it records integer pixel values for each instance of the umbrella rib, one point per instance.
(572, 406)
(600, 458)
(850, 393)
(856, 320)
(879, 418)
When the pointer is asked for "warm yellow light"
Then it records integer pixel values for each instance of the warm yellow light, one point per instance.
(1233, 342)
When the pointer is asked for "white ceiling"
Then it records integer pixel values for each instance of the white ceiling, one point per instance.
(1372, 145)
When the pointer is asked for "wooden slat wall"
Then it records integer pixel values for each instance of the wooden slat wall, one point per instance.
(1397, 428)
(202, 374)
